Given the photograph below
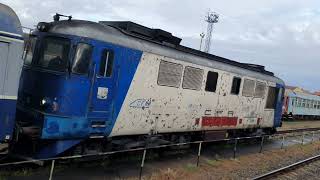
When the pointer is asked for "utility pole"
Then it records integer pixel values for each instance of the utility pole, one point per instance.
(211, 19)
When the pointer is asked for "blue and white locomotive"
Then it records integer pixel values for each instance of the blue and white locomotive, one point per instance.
(11, 48)
(91, 86)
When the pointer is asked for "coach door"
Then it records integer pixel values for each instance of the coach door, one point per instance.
(4, 50)
(103, 88)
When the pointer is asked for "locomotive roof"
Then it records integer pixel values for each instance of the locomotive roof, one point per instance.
(9, 20)
(104, 32)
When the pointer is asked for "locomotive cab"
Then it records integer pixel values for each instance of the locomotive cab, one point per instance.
(67, 88)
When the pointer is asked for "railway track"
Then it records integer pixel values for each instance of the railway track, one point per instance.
(26, 159)
(305, 169)
(298, 130)
(20, 164)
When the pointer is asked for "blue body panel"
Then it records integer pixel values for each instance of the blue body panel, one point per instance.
(279, 104)
(55, 148)
(64, 128)
(70, 92)
(7, 117)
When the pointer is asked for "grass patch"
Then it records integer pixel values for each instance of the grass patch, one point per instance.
(212, 162)
(190, 167)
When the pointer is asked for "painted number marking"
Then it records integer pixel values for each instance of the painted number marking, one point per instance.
(141, 103)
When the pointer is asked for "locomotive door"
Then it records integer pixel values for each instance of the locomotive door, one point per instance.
(101, 111)
(4, 49)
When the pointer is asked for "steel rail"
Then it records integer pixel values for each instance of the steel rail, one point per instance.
(297, 130)
(287, 168)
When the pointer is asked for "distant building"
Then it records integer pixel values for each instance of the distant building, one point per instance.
(317, 93)
(294, 89)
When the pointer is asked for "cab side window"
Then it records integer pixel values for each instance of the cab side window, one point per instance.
(106, 63)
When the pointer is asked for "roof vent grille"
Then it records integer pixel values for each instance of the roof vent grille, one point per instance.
(144, 32)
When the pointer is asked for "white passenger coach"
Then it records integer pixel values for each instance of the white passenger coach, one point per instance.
(11, 48)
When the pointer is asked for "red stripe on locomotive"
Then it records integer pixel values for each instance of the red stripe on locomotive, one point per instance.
(219, 121)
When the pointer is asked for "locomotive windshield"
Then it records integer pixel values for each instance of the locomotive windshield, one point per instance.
(82, 59)
(54, 54)
(29, 50)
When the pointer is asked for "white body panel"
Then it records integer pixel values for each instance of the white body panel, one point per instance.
(150, 108)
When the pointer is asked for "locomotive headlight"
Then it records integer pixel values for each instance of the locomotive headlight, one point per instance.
(43, 26)
(49, 104)
(45, 101)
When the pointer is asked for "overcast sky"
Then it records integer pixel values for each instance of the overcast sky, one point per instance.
(282, 35)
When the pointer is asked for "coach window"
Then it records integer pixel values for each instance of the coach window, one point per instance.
(298, 102)
(82, 59)
(308, 104)
(293, 102)
(170, 74)
(235, 89)
(303, 104)
(211, 83)
(272, 98)
(106, 63)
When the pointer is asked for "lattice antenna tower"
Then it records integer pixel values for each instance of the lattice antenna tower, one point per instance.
(212, 18)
